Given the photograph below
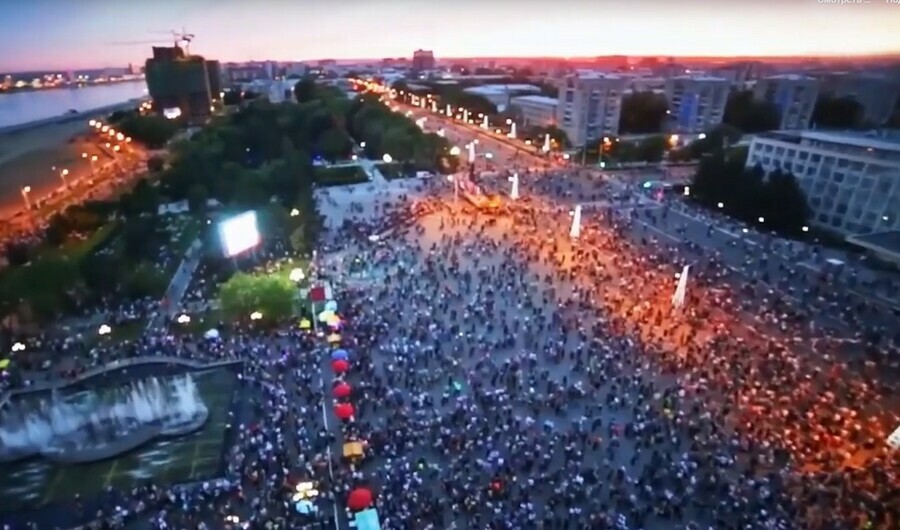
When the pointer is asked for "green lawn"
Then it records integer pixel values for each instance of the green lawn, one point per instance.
(340, 176)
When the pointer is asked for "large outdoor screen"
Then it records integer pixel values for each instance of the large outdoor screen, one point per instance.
(239, 233)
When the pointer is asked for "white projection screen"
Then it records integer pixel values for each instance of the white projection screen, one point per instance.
(239, 233)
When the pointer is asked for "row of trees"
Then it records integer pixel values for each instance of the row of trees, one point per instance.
(382, 132)
(750, 194)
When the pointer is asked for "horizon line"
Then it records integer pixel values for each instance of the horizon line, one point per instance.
(836, 55)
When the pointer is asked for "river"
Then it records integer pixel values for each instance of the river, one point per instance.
(18, 108)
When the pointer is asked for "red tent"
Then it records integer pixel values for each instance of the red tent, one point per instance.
(340, 366)
(343, 411)
(341, 390)
(360, 499)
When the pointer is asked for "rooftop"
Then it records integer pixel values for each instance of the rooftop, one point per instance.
(886, 243)
(887, 140)
(791, 77)
(700, 78)
(501, 89)
(542, 100)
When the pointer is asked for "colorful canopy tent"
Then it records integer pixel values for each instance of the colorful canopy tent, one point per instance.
(339, 355)
(4, 364)
(340, 366)
(341, 390)
(368, 520)
(334, 338)
(343, 411)
(360, 499)
(354, 450)
(305, 323)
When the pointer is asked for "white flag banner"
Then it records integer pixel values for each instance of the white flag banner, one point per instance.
(894, 439)
(681, 288)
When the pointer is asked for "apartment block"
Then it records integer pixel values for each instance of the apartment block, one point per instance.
(793, 95)
(696, 104)
(590, 106)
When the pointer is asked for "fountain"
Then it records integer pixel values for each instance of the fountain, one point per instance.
(68, 430)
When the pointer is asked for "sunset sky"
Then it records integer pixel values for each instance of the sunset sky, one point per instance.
(74, 34)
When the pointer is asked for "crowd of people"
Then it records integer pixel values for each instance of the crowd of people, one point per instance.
(506, 375)
(535, 379)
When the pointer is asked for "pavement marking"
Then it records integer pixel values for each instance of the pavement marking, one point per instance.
(194, 459)
(111, 473)
(660, 232)
(51, 488)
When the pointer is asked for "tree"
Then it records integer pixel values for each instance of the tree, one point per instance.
(305, 89)
(152, 130)
(642, 112)
(17, 253)
(272, 296)
(143, 281)
(197, 196)
(748, 115)
(140, 236)
(334, 144)
(156, 163)
(837, 112)
(232, 97)
(750, 194)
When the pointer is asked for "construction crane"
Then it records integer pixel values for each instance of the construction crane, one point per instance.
(180, 39)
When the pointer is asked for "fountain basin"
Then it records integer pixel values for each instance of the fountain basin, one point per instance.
(97, 428)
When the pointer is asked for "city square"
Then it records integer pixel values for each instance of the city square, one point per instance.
(527, 293)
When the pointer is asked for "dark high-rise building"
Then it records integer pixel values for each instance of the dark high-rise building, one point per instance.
(423, 60)
(187, 82)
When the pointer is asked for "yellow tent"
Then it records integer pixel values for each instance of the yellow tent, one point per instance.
(4, 363)
(305, 324)
(334, 337)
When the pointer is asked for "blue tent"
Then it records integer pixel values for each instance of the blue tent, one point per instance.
(341, 355)
(368, 520)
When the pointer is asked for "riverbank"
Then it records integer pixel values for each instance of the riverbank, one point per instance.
(30, 151)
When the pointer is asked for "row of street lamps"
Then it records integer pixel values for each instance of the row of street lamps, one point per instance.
(63, 173)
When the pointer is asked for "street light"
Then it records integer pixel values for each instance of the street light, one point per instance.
(721, 205)
(183, 319)
(387, 158)
(295, 212)
(256, 315)
(805, 229)
(92, 123)
(104, 330)
(455, 150)
(25, 191)
(120, 137)
(62, 175)
(701, 136)
(297, 275)
(762, 219)
(17, 347)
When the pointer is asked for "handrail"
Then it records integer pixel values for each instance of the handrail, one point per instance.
(115, 365)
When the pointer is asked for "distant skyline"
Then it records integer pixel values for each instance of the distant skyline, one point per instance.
(67, 34)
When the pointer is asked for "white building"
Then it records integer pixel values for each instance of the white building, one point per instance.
(500, 95)
(794, 96)
(590, 105)
(851, 180)
(696, 103)
(536, 111)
